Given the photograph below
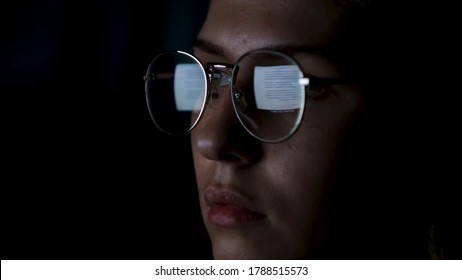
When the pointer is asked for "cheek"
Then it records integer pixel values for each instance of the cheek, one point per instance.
(298, 196)
(302, 173)
(303, 170)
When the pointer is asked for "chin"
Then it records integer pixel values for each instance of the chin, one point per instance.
(234, 248)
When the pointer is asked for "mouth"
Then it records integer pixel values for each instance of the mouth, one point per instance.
(227, 209)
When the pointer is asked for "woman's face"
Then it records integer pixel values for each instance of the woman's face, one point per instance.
(262, 200)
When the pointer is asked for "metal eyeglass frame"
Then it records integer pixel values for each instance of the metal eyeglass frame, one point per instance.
(210, 70)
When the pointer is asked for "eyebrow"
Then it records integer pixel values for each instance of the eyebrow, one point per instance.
(316, 50)
(208, 47)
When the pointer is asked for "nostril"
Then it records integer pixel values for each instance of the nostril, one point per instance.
(221, 148)
(214, 150)
(231, 157)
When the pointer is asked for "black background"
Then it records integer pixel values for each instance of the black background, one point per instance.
(84, 172)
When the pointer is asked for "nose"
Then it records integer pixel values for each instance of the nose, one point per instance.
(219, 136)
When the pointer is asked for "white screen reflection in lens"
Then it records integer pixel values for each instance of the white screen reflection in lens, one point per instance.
(278, 88)
(189, 87)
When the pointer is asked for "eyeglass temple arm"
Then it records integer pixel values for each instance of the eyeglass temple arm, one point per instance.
(314, 82)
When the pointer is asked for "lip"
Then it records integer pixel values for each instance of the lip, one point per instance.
(229, 210)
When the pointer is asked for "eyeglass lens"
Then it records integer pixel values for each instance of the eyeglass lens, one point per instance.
(267, 94)
(176, 87)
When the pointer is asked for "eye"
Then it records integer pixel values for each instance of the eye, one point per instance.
(221, 77)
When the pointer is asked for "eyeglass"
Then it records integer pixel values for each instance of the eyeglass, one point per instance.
(267, 90)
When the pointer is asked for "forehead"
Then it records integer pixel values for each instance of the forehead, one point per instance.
(242, 25)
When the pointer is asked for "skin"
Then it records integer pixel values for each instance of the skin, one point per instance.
(289, 182)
